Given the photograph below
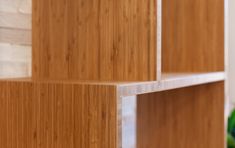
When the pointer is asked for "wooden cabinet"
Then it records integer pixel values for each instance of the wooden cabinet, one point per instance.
(120, 74)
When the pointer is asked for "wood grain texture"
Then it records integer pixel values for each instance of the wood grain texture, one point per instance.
(41, 115)
(193, 35)
(182, 118)
(94, 40)
(113, 41)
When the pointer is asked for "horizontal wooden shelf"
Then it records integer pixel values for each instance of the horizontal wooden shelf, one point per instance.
(169, 81)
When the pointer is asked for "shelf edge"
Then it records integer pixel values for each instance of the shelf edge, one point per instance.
(170, 83)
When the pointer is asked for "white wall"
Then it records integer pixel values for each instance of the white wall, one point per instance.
(232, 50)
(15, 38)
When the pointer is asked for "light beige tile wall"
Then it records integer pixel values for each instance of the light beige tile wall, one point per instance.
(15, 38)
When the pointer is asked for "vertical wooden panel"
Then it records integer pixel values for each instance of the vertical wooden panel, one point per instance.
(40, 39)
(193, 35)
(21, 114)
(94, 40)
(40, 115)
(188, 117)
(30, 94)
(3, 115)
(95, 117)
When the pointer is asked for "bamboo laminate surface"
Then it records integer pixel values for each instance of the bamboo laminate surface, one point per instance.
(94, 40)
(88, 114)
(193, 37)
(182, 118)
(44, 115)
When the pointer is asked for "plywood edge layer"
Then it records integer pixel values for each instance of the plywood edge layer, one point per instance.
(169, 82)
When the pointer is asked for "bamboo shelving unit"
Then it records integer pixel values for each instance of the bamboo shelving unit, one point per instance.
(120, 74)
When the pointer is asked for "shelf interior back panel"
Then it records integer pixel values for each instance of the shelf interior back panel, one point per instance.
(193, 36)
(187, 117)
